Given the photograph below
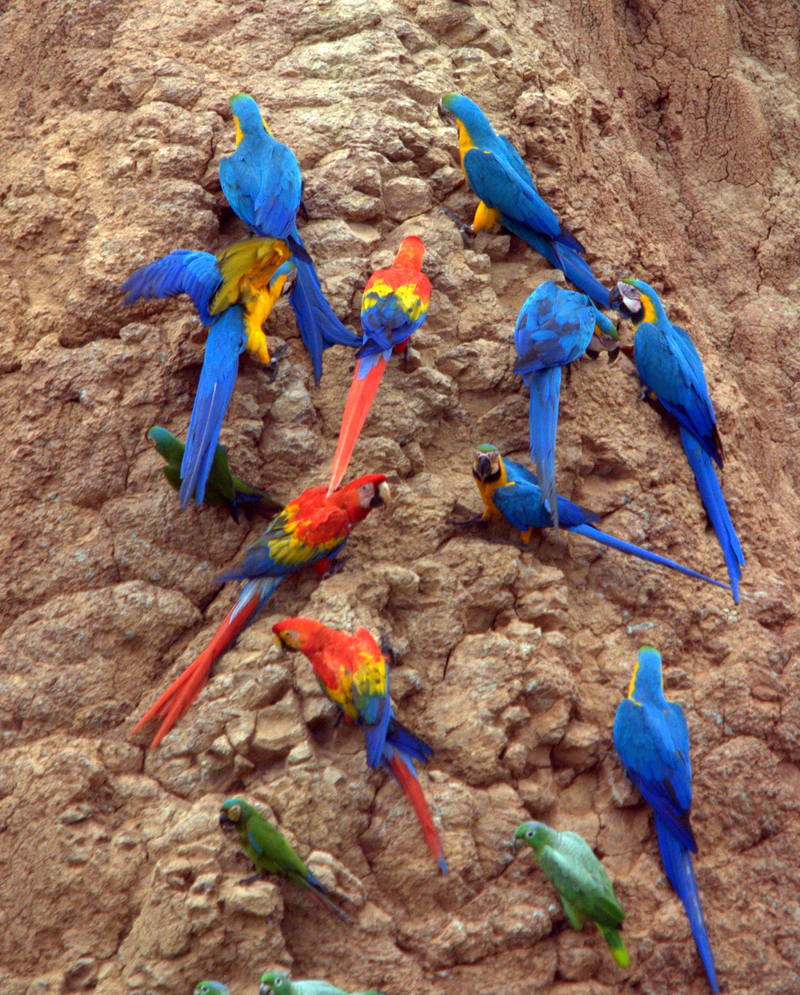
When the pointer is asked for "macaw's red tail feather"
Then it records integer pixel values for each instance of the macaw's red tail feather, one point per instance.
(356, 408)
(406, 776)
(174, 702)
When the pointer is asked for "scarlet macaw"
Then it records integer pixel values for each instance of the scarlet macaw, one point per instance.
(669, 365)
(269, 850)
(261, 180)
(233, 293)
(393, 306)
(553, 329)
(580, 880)
(511, 492)
(312, 529)
(501, 180)
(352, 672)
(222, 489)
(651, 738)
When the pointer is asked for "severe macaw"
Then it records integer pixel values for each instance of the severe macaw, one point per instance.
(233, 293)
(553, 329)
(652, 740)
(261, 180)
(580, 880)
(669, 365)
(210, 988)
(274, 983)
(222, 488)
(312, 529)
(501, 180)
(393, 306)
(269, 851)
(512, 492)
(352, 672)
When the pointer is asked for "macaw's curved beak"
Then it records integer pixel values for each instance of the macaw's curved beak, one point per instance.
(483, 468)
(447, 116)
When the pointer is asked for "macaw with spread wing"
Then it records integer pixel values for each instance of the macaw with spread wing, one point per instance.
(512, 492)
(580, 880)
(553, 329)
(669, 366)
(262, 183)
(393, 306)
(269, 850)
(353, 673)
(651, 738)
(275, 983)
(507, 194)
(223, 490)
(233, 293)
(312, 529)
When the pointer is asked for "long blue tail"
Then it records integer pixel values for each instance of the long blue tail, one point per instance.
(319, 326)
(563, 257)
(680, 872)
(644, 554)
(226, 339)
(545, 387)
(711, 493)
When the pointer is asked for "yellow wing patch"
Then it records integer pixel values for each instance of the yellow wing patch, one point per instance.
(485, 217)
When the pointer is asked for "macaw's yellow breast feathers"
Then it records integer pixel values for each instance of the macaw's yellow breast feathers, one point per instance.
(250, 262)
(485, 217)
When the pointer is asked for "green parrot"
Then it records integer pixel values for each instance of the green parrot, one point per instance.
(222, 489)
(269, 851)
(273, 983)
(210, 988)
(578, 876)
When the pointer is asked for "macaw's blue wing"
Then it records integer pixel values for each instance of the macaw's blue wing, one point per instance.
(654, 749)
(181, 272)
(711, 493)
(262, 183)
(376, 718)
(678, 867)
(405, 741)
(319, 327)
(227, 337)
(669, 364)
(553, 328)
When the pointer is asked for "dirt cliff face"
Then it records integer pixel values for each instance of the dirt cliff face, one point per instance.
(665, 136)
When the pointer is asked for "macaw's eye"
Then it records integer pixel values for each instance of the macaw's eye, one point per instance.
(529, 835)
(277, 983)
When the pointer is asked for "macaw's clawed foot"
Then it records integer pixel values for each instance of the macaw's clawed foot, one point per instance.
(388, 650)
(334, 566)
(272, 365)
(249, 879)
(467, 231)
(301, 207)
(461, 523)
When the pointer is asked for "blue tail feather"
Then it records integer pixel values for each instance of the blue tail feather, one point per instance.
(680, 872)
(711, 493)
(563, 257)
(643, 554)
(545, 387)
(406, 743)
(226, 339)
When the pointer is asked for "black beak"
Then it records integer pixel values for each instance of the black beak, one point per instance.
(226, 824)
(447, 116)
(483, 468)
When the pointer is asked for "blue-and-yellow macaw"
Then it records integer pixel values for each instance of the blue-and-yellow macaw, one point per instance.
(311, 530)
(511, 492)
(501, 180)
(553, 329)
(652, 740)
(233, 293)
(670, 367)
(261, 180)
(393, 306)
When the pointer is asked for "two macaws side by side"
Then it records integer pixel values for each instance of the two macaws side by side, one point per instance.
(507, 194)
(275, 983)
(393, 306)
(669, 366)
(312, 529)
(651, 738)
(233, 294)
(580, 880)
(512, 492)
(223, 490)
(553, 329)
(269, 850)
(352, 672)
(261, 180)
